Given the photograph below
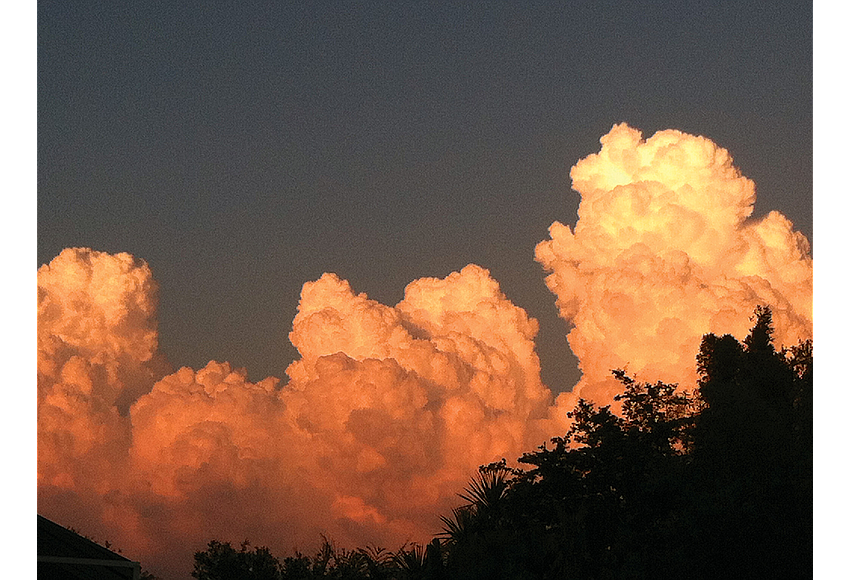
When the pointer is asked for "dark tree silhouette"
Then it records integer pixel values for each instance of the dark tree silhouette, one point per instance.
(220, 561)
(751, 484)
(711, 484)
(705, 485)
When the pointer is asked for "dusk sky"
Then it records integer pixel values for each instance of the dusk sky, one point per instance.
(372, 203)
(242, 149)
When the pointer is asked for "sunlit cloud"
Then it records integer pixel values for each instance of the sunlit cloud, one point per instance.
(388, 410)
(663, 252)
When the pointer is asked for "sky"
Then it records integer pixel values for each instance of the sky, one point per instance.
(244, 150)
(357, 200)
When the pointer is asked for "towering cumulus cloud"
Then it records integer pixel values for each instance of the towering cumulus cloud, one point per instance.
(662, 253)
(389, 410)
(384, 418)
(97, 341)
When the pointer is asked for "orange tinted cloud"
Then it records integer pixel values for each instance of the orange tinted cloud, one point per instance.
(97, 344)
(385, 415)
(390, 409)
(664, 252)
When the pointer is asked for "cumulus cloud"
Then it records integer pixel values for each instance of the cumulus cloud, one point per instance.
(388, 410)
(97, 344)
(664, 251)
(385, 415)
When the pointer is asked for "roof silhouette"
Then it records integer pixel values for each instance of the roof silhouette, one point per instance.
(66, 555)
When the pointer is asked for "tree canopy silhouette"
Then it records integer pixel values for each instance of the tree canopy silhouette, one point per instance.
(220, 561)
(705, 484)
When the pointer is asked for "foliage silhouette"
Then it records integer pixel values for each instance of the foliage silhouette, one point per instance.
(709, 484)
(752, 462)
(220, 561)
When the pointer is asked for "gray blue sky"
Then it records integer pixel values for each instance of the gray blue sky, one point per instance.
(243, 149)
